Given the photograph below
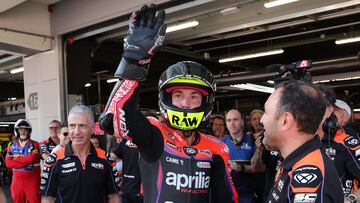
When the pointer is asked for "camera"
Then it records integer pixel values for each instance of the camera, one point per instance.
(295, 71)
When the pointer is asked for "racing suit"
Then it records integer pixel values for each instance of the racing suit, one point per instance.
(172, 171)
(25, 162)
(344, 150)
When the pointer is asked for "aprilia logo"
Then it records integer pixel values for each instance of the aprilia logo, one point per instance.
(198, 181)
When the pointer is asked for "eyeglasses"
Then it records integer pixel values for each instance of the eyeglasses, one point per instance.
(66, 134)
(53, 127)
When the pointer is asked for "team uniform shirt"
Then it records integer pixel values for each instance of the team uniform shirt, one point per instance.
(47, 145)
(128, 152)
(171, 170)
(344, 151)
(307, 175)
(243, 151)
(67, 179)
(25, 163)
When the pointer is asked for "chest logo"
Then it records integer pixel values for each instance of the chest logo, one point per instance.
(69, 165)
(98, 165)
(190, 151)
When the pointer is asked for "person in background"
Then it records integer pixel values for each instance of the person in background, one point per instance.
(95, 141)
(79, 172)
(241, 149)
(47, 145)
(127, 152)
(341, 147)
(293, 113)
(63, 136)
(24, 159)
(343, 112)
(218, 126)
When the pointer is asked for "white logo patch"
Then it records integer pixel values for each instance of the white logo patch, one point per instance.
(203, 164)
(305, 198)
(97, 165)
(305, 178)
(72, 164)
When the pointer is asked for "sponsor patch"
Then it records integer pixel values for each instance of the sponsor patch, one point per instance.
(98, 165)
(351, 142)
(68, 165)
(306, 177)
(50, 160)
(203, 164)
(68, 170)
(305, 198)
(205, 151)
(172, 145)
(190, 151)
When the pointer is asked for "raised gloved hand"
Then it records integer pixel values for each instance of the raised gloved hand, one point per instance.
(146, 35)
(106, 123)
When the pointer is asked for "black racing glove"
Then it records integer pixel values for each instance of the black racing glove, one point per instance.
(106, 123)
(146, 35)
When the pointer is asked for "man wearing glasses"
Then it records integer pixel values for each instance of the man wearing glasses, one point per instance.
(49, 144)
(63, 136)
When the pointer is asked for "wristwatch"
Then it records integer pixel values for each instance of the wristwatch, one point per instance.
(352, 198)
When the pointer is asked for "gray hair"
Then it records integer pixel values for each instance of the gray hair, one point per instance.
(256, 111)
(79, 108)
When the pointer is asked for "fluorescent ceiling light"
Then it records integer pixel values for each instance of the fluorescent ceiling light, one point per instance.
(356, 110)
(273, 3)
(17, 70)
(112, 80)
(253, 87)
(7, 123)
(182, 26)
(254, 55)
(4, 125)
(230, 10)
(88, 84)
(270, 82)
(347, 40)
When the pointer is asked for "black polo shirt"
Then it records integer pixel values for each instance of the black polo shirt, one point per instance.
(307, 175)
(64, 177)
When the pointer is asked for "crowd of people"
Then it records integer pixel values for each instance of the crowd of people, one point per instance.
(299, 149)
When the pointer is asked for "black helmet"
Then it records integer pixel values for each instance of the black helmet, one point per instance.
(22, 123)
(186, 74)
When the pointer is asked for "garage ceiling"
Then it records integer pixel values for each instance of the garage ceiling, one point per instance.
(306, 29)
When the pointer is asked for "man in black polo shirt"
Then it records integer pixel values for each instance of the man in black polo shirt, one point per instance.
(292, 116)
(79, 172)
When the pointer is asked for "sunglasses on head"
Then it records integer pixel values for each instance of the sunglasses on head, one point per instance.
(53, 127)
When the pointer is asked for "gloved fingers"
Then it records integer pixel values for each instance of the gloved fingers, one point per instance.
(159, 20)
(134, 22)
(106, 123)
(144, 15)
(162, 31)
(151, 16)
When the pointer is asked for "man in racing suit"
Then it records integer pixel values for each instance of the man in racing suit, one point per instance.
(306, 173)
(23, 157)
(343, 149)
(178, 163)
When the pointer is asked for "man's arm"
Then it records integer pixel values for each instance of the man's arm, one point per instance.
(33, 157)
(114, 198)
(120, 118)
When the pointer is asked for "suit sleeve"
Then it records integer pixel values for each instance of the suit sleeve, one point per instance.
(112, 180)
(49, 176)
(129, 121)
